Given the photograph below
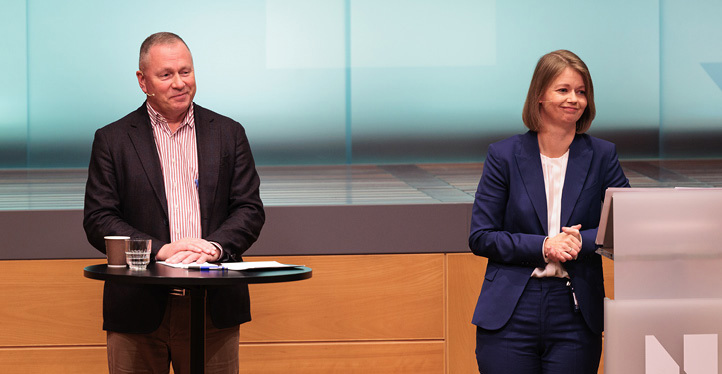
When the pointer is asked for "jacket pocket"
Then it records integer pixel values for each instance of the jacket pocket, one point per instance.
(491, 271)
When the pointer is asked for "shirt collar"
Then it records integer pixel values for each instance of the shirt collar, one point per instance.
(157, 119)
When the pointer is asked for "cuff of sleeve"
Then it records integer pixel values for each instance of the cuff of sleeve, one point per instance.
(220, 249)
(543, 251)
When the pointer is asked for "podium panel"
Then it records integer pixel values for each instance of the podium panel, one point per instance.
(667, 249)
(668, 244)
(636, 329)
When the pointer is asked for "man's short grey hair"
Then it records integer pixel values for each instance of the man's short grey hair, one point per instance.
(156, 39)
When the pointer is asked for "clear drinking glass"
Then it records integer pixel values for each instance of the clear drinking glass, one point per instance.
(137, 253)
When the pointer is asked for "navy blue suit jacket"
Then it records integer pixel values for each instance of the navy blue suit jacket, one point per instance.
(125, 195)
(509, 222)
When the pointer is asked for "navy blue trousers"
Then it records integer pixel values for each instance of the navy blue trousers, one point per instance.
(544, 335)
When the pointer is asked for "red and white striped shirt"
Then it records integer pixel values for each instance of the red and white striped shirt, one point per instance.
(179, 162)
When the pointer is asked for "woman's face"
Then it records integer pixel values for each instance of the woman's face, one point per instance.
(564, 100)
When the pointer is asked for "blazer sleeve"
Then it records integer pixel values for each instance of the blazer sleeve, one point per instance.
(493, 234)
(104, 210)
(238, 200)
(613, 176)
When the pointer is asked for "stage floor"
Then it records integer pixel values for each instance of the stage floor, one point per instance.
(62, 189)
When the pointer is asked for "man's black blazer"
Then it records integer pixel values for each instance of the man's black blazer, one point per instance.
(125, 195)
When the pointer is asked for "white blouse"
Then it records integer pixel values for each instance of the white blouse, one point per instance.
(554, 171)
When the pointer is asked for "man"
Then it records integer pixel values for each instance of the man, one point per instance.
(183, 176)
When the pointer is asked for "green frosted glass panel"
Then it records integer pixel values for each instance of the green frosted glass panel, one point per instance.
(14, 93)
(691, 60)
(450, 109)
(82, 65)
(362, 81)
(412, 33)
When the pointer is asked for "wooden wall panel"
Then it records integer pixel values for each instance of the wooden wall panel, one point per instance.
(349, 358)
(358, 297)
(49, 302)
(67, 360)
(608, 267)
(465, 276)
(358, 313)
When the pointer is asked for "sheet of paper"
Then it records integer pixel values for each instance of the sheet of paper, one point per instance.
(245, 265)
(203, 266)
(248, 265)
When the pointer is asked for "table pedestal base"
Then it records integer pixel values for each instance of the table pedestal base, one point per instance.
(198, 329)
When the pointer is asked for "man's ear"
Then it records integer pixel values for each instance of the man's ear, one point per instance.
(141, 80)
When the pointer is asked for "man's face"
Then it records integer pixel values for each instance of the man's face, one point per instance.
(167, 77)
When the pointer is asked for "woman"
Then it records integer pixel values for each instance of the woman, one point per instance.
(535, 218)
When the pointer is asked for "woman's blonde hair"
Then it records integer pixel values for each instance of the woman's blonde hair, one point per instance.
(547, 69)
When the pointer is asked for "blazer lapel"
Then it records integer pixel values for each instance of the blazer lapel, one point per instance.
(580, 157)
(529, 164)
(209, 160)
(141, 135)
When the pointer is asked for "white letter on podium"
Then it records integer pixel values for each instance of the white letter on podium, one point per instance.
(700, 354)
(656, 359)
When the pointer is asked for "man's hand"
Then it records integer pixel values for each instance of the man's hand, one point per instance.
(187, 257)
(188, 250)
(564, 246)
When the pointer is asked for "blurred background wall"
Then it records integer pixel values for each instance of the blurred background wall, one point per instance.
(363, 81)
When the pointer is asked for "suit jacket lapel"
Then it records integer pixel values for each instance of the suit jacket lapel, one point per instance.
(141, 135)
(580, 157)
(209, 160)
(529, 164)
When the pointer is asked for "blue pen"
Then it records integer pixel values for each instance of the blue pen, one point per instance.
(196, 182)
(209, 267)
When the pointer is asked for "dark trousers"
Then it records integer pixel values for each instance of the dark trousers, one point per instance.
(544, 335)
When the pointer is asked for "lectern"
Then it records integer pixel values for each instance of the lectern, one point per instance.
(666, 316)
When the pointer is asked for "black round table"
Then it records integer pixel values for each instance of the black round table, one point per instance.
(196, 282)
